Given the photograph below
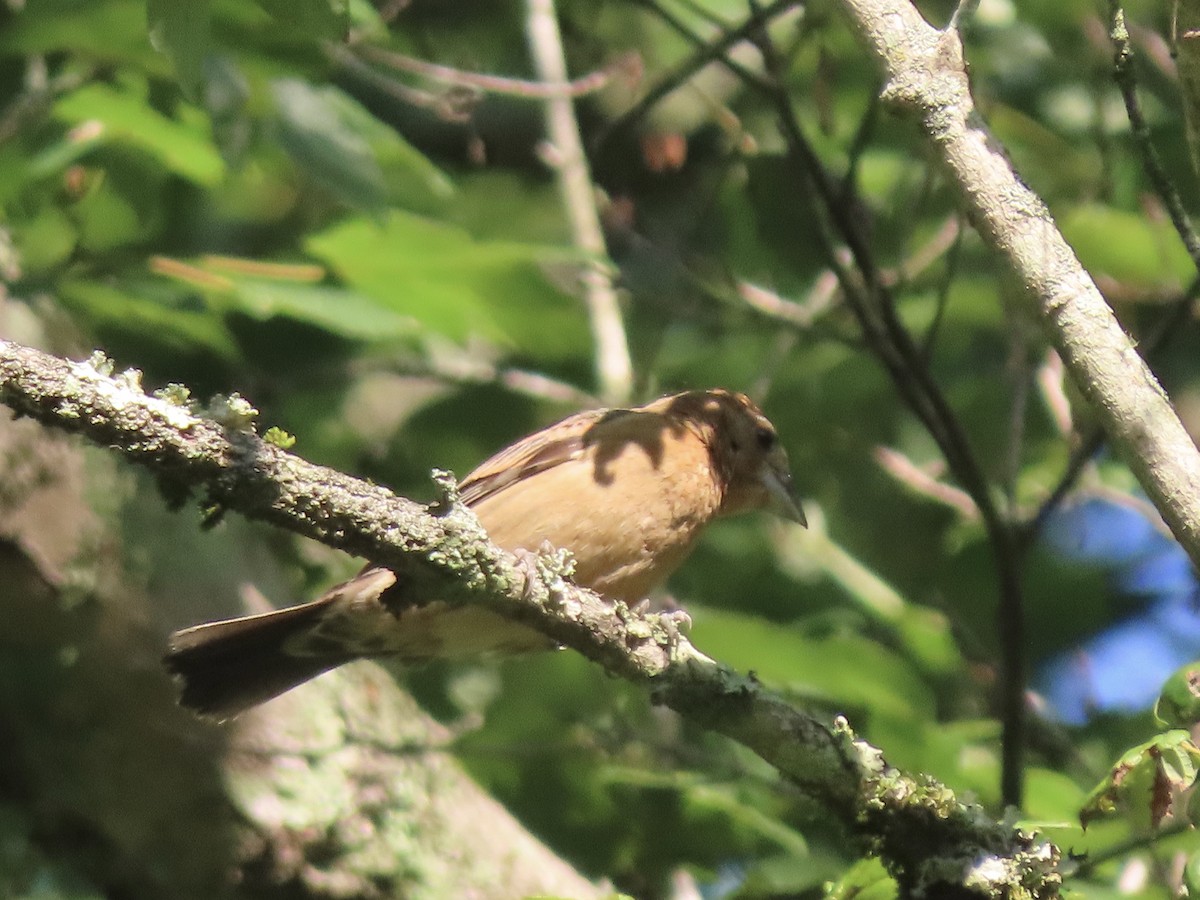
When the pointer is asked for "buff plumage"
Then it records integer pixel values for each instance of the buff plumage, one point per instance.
(627, 491)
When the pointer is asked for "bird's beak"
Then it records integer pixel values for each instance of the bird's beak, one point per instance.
(784, 502)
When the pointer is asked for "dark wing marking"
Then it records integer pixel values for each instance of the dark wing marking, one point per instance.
(533, 454)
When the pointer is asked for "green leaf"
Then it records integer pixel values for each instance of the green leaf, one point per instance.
(454, 285)
(1126, 247)
(53, 159)
(1178, 705)
(1055, 164)
(336, 310)
(348, 150)
(315, 19)
(841, 668)
(185, 148)
(314, 130)
(118, 211)
(111, 31)
(703, 793)
(1050, 798)
(112, 311)
(867, 879)
(1146, 780)
(180, 30)
(45, 241)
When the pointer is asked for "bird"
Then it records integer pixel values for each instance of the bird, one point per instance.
(627, 491)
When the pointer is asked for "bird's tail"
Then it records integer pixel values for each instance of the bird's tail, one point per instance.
(227, 667)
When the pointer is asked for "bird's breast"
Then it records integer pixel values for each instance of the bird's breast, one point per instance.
(629, 514)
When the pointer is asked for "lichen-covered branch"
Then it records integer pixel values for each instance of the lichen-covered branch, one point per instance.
(961, 851)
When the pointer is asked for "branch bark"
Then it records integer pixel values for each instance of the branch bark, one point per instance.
(925, 78)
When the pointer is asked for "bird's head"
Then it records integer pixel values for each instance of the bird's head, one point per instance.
(746, 451)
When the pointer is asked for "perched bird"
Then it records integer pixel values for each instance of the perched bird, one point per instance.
(627, 491)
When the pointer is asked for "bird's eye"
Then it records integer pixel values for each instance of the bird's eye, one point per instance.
(765, 437)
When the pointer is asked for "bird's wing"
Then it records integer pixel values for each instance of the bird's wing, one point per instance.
(536, 453)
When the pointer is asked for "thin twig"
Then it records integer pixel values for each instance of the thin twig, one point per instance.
(1127, 81)
(1123, 848)
(894, 346)
(800, 314)
(1050, 380)
(614, 368)
(953, 233)
(1019, 367)
(449, 108)
(912, 476)
(1094, 440)
(459, 367)
(500, 84)
(706, 53)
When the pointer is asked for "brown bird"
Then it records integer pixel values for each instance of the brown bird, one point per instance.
(627, 491)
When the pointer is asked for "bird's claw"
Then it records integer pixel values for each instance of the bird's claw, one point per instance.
(548, 565)
(527, 568)
(677, 623)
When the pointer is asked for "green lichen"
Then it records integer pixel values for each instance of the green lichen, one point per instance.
(175, 394)
(100, 363)
(130, 380)
(279, 438)
(234, 412)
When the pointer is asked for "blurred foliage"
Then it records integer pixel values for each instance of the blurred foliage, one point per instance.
(242, 196)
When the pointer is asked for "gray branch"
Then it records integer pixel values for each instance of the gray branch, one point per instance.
(446, 551)
(925, 77)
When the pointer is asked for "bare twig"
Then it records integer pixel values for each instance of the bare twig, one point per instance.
(448, 107)
(499, 84)
(706, 53)
(1127, 82)
(801, 314)
(614, 368)
(455, 366)
(1050, 375)
(926, 77)
(918, 480)
(888, 338)
(948, 241)
(1020, 375)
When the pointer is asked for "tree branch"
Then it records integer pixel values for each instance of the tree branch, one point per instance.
(614, 368)
(926, 78)
(446, 551)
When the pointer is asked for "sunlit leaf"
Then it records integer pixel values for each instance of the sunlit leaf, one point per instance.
(453, 284)
(1126, 246)
(1178, 705)
(1146, 780)
(183, 147)
(838, 668)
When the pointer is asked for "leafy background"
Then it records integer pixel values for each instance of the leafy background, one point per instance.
(240, 196)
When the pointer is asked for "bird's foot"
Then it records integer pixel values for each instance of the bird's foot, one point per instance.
(547, 565)
(677, 623)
